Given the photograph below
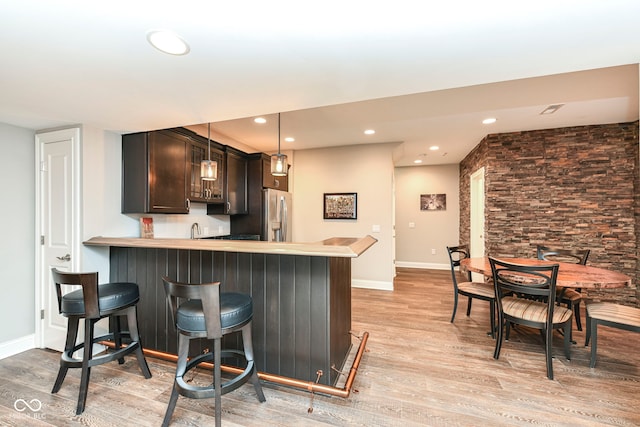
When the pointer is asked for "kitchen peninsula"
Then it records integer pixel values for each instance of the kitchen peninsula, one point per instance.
(301, 294)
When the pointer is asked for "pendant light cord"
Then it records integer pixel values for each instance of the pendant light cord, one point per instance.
(209, 142)
(278, 134)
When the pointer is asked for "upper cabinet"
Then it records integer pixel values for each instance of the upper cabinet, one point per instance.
(234, 185)
(161, 174)
(263, 163)
(154, 172)
(201, 190)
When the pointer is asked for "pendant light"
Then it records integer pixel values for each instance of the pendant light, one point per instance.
(279, 161)
(209, 168)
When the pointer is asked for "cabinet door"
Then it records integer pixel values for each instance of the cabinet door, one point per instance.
(201, 190)
(167, 173)
(270, 181)
(236, 184)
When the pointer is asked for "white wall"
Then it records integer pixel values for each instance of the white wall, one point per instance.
(366, 170)
(433, 229)
(17, 252)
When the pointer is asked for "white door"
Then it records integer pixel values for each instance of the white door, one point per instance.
(476, 245)
(58, 211)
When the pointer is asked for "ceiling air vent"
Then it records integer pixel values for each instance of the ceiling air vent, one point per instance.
(551, 109)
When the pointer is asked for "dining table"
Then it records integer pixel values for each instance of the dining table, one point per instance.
(570, 275)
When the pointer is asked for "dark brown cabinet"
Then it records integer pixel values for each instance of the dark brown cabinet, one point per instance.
(199, 189)
(234, 185)
(259, 177)
(154, 172)
(268, 180)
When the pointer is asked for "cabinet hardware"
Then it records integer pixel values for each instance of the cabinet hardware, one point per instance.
(67, 257)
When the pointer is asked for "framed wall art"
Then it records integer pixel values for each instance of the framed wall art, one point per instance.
(433, 202)
(340, 206)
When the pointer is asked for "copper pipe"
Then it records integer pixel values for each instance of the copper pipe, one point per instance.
(310, 386)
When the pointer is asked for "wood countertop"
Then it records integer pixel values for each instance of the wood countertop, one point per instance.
(344, 247)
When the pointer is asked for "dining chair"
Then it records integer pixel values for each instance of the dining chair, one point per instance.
(612, 315)
(525, 295)
(570, 297)
(468, 288)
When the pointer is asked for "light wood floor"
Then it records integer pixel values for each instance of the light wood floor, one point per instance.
(419, 369)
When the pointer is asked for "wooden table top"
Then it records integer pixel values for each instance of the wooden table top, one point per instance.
(569, 275)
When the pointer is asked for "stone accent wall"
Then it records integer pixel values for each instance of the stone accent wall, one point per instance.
(570, 187)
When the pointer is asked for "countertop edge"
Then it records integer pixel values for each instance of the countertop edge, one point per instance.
(345, 247)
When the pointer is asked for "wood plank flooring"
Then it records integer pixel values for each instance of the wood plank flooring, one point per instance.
(419, 369)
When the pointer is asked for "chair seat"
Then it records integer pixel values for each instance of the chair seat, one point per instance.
(614, 313)
(534, 311)
(477, 288)
(569, 294)
(235, 309)
(111, 296)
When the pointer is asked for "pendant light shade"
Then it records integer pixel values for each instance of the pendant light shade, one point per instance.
(279, 164)
(209, 168)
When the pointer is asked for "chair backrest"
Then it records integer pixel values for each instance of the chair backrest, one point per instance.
(457, 254)
(89, 283)
(208, 293)
(576, 256)
(527, 281)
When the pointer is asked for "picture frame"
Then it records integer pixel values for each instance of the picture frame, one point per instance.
(433, 202)
(340, 206)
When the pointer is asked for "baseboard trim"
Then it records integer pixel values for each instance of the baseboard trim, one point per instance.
(423, 265)
(13, 347)
(372, 284)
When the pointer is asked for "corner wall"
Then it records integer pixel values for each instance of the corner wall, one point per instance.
(17, 219)
(363, 169)
(432, 230)
(573, 187)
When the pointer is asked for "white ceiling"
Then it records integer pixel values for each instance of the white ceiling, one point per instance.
(420, 73)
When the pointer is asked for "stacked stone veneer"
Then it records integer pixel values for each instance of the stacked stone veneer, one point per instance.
(574, 187)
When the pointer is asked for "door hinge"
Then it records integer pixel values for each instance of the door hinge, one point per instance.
(42, 240)
(41, 314)
(43, 166)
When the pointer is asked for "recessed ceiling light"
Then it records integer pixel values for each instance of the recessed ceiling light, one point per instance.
(417, 161)
(289, 139)
(434, 148)
(369, 132)
(489, 121)
(260, 120)
(168, 42)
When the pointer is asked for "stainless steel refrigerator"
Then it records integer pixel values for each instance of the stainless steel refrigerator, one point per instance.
(277, 215)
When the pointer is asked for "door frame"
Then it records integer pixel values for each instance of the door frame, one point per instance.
(476, 216)
(41, 138)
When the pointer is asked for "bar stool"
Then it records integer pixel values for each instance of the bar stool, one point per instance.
(207, 313)
(92, 303)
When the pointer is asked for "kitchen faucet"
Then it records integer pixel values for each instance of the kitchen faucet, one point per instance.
(195, 230)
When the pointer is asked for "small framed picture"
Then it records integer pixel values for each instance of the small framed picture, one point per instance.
(433, 202)
(340, 205)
